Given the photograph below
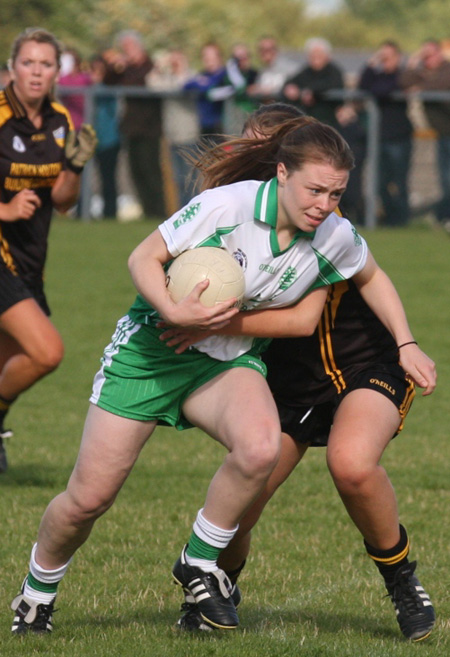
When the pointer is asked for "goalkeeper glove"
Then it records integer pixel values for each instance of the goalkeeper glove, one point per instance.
(80, 147)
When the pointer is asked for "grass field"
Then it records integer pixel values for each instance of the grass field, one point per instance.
(309, 589)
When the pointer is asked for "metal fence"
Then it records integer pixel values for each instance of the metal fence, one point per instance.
(371, 166)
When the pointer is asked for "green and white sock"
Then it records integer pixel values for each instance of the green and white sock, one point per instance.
(206, 543)
(41, 585)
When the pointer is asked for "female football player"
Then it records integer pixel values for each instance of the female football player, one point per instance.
(287, 238)
(342, 387)
(40, 170)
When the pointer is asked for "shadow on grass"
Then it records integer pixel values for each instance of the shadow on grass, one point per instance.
(258, 621)
(130, 620)
(39, 475)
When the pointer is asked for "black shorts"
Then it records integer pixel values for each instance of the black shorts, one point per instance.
(312, 424)
(13, 290)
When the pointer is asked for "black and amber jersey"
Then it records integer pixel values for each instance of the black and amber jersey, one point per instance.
(30, 158)
(348, 339)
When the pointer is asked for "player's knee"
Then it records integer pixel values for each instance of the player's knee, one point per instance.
(259, 454)
(348, 475)
(83, 509)
(48, 359)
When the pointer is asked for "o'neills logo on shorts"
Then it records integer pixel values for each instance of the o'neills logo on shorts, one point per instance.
(384, 385)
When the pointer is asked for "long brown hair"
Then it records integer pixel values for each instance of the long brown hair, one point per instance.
(294, 142)
(268, 116)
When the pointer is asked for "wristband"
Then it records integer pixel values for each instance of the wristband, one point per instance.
(405, 344)
(73, 167)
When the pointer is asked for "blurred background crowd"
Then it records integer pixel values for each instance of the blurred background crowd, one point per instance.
(150, 108)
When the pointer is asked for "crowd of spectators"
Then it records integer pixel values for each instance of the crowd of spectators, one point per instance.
(155, 130)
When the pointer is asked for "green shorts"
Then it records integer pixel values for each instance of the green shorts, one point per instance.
(143, 379)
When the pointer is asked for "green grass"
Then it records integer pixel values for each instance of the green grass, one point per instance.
(309, 588)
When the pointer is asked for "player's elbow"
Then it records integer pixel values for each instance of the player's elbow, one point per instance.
(63, 208)
(132, 261)
(309, 329)
(62, 203)
(303, 329)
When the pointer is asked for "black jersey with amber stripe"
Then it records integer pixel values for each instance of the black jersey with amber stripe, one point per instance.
(349, 338)
(30, 158)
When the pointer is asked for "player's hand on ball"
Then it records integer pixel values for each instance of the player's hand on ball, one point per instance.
(80, 147)
(191, 312)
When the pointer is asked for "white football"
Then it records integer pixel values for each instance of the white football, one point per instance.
(226, 278)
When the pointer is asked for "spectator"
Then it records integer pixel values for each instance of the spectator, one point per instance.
(210, 111)
(352, 125)
(141, 123)
(428, 70)
(179, 117)
(73, 75)
(239, 76)
(320, 74)
(307, 91)
(107, 127)
(273, 71)
(242, 60)
(380, 77)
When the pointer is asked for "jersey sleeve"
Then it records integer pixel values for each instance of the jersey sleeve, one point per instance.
(209, 215)
(340, 250)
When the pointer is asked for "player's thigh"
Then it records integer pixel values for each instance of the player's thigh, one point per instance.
(8, 348)
(234, 406)
(109, 448)
(30, 327)
(363, 426)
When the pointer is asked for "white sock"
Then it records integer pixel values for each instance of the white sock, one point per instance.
(215, 536)
(44, 576)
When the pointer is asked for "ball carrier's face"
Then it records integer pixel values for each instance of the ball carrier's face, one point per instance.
(307, 196)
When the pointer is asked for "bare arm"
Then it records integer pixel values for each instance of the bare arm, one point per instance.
(295, 321)
(66, 190)
(381, 296)
(146, 268)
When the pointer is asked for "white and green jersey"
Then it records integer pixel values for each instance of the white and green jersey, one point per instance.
(242, 218)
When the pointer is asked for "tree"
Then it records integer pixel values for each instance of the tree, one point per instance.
(90, 25)
(407, 21)
(190, 23)
(66, 19)
(383, 10)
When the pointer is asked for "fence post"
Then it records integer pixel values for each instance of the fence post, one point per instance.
(372, 163)
(86, 176)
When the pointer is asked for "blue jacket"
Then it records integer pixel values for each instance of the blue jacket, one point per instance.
(209, 111)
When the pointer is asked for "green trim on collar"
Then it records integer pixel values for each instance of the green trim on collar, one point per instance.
(266, 204)
(266, 210)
